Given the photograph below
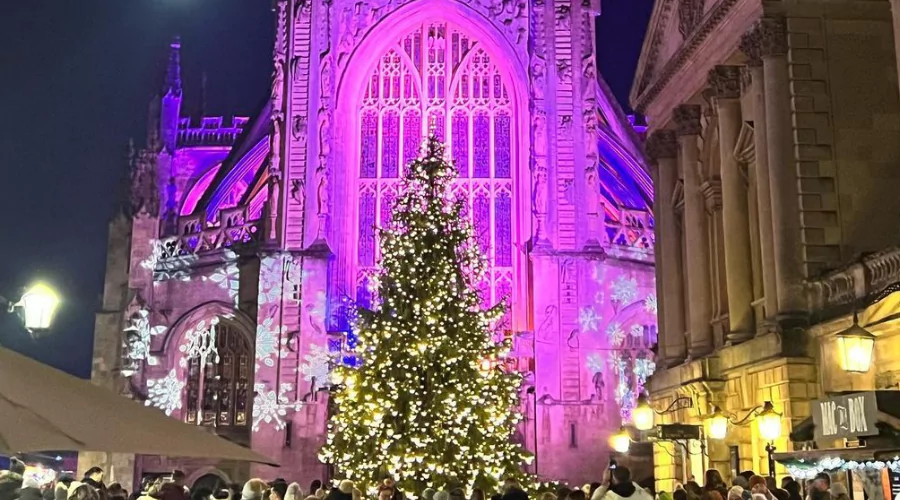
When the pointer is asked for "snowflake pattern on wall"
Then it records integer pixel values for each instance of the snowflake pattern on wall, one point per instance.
(269, 409)
(624, 290)
(168, 268)
(227, 278)
(269, 342)
(165, 393)
(317, 365)
(588, 319)
(594, 363)
(319, 307)
(270, 286)
(197, 339)
(141, 335)
(637, 331)
(650, 304)
(615, 334)
(643, 368)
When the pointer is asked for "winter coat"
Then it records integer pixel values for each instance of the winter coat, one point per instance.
(10, 482)
(98, 486)
(171, 491)
(629, 491)
(30, 494)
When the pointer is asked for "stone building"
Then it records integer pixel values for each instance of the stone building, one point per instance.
(774, 134)
(233, 268)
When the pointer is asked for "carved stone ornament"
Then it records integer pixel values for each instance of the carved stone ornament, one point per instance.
(687, 119)
(725, 81)
(773, 36)
(750, 46)
(144, 195)
(538, 69)
(564, 71)
(662, 144)
(562, 14)
(690, 12)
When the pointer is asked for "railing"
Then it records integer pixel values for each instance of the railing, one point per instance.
(858, 281)
(631, 229)
(213, 131)
(196, 235)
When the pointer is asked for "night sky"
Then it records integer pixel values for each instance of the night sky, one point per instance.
(75, 81)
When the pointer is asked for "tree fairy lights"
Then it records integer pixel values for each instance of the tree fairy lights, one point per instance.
(431, 403)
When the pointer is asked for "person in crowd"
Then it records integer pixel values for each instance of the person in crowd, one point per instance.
(201, 494)
(735, 493)
(577, 494)
(253, 489)
(548, 495)
(175, 490)
(11, 479)
(294, 492)
(30, 489)
(839, 492)
(510, 484)
(94, 478)
(771, 484)
(785, 481)
(693, 489)
(563, 492)
(780, 494)
(617, 485)
(386, 492)
(714, 482)
(793, 489)
(758, 485)
(742, 481)
(457, 494)
(679, 494)
(495, 496)
(278, 490)
(477, 494)
(115, 491)
(83, 491)
(821, 484)
(514, 491)
(315, 486)
(428, 494)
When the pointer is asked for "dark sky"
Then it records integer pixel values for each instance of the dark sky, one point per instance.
(75, 80)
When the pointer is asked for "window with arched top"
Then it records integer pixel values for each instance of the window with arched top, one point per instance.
(438, 77)
(219, 385)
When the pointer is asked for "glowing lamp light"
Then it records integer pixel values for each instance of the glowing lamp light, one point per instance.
(717, 424)
(620, 441)
(769, 422)
(642, 415)
(39, 303)
(856, 345)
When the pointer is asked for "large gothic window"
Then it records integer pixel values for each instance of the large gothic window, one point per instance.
(219, 384)
(438, 78)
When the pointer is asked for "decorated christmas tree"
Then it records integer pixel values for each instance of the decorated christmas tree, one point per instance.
(431, 404)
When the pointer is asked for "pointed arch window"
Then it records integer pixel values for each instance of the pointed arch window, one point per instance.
(218, 393)
(439, 72)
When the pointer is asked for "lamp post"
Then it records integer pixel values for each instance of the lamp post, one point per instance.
(768, 423)
(39, 304)
(856, 345)
(643, 415)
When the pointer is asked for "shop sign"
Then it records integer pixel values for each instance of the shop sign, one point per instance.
(845, 417)
(677, 432)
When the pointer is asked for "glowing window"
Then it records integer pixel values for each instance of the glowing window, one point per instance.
(442, 74)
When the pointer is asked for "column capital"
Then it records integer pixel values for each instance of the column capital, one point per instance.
(725, 81)
(687, 119)
(750, 45)
(662, 144)
(772, 36)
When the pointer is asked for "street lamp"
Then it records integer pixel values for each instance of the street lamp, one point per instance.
(39, 304)
(769, 422)
(620, 441)
(717, 424)
(856, 345)
(643, 415)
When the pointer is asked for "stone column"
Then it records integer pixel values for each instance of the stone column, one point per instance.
(662, 147)
(687, 123)
(750, 45)
(725, 82)
(782, 173)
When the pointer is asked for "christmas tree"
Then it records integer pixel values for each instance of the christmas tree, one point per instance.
(430, 405)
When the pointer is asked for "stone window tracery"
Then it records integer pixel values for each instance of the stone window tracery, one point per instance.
(439, 72)
(219, 394)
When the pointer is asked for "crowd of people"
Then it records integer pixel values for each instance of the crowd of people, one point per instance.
(617, 484)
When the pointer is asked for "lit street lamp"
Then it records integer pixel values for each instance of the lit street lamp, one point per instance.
(39, 304)
(855, 346)
(768, 422)
(620, 441)
(643, 415)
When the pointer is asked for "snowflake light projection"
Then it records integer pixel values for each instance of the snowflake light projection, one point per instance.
(269, 409)
(643, 368)
(227, 277)
(319, 307)
(650, 304)
(317, 365)
(594, 363)
(268, 342)
(588, 319)
(139, 335)
(166, 267)
(624, 290)
(615, 334)
(637, 331)
(200, 342)
(165, 393)
(271, 271)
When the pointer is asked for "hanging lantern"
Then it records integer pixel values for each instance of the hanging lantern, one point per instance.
(642, 415)
(856, 345)
(717, 424)
(620, 441)
(769, 422)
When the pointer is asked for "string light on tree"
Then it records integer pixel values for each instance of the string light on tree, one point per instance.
(431, 403)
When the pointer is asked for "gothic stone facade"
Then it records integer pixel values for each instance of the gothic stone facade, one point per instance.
(775, 143)
(255, 237)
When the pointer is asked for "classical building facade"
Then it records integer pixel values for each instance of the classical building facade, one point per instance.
(233, 269)
(774, 133)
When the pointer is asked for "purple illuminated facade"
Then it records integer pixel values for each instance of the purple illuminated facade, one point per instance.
(232, 270)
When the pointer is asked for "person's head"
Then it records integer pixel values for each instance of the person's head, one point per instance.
(94, 473)
(16, 466)
(548, 495)
(279, 491)
(385, 492)
(457, 494)
(254, 489)
(785, 480)
(747, 474)
(116, 490)
(577, 495)
(839, 491)
(679, 494)
(294, 492)
(693, 489)
(346, 486)
(781, 494)
(562, 493)
(81, 491)
(713, 478)
(793, 489)
(595, 487)
(178, 478)
(478, 494)
(758, 484)
(511, 484)
(428, 494)
(620, 475)
(741, 481)
(735, 493)
(822, 481)
(315, 486)
(711, 495)
(771, 483)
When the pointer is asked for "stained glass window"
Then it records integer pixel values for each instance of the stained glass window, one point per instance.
(438, 79)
